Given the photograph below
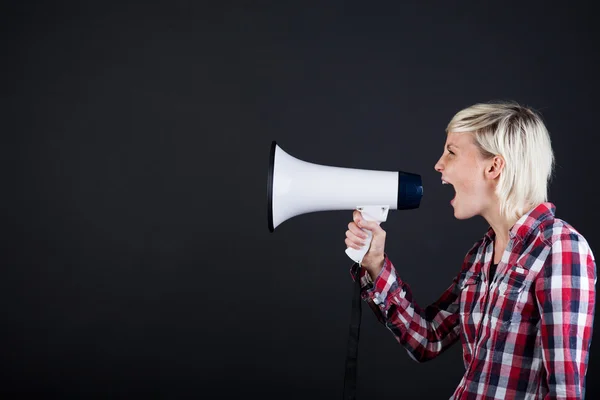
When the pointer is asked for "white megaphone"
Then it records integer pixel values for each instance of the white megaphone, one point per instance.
(297, 187)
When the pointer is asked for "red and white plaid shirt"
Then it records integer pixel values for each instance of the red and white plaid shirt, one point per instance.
(525, 334)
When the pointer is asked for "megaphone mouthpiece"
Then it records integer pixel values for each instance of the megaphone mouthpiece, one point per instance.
(410, 191)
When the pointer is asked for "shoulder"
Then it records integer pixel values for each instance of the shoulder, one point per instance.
(561, 236)
(569, 254)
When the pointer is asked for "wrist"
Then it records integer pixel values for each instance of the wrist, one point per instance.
(375, 268)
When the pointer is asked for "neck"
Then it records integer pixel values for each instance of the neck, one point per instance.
(501, 226)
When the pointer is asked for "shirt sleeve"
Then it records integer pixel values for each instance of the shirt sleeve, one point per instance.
(424, 333)
(565, 293)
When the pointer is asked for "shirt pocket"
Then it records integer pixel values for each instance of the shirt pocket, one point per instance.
(513, 290)
(514, 282)
(468, 280)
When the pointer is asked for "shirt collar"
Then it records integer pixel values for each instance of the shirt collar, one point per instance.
(528, 222)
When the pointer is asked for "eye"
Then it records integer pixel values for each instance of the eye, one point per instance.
(451, 152)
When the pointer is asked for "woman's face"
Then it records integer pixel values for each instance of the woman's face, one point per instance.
(463, 167)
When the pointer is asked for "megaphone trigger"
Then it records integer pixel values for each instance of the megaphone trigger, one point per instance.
(374, 213)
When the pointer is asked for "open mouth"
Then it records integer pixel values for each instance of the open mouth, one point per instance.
(444, 182)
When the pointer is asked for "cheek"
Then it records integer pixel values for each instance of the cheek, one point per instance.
(472, 184)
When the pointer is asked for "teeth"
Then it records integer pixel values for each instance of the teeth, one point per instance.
(444, 182)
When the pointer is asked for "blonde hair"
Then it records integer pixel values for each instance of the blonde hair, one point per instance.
(519, 135)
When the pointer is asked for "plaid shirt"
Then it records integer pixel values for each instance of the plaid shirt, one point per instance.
(525, 334)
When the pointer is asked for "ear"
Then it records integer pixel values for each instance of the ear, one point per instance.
(494, 167)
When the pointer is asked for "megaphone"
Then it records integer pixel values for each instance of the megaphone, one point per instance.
(297, 187)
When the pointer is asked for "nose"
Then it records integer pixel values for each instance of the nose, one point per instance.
(438, 165)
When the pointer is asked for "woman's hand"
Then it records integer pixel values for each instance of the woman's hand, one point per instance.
(374, 258)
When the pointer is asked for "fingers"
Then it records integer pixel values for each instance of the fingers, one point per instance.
(355, 235)
(354, 243)
(352, 227)
(369, 225)
(356, 216)
(362, 223)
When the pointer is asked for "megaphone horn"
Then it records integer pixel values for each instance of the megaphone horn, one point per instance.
(297, 187)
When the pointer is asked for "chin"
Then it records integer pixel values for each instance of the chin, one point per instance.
(461, 215)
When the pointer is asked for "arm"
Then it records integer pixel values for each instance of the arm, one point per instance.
(424, 333)
(565, 293)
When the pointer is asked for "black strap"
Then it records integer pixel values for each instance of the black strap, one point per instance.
(352, 353)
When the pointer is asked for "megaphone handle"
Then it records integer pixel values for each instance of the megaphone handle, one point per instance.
(358, 255)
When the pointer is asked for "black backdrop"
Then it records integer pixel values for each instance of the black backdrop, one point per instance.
(136, 257)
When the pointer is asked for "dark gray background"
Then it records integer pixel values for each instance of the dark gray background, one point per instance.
(135, 140)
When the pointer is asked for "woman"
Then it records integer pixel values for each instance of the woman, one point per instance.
(523, 301)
